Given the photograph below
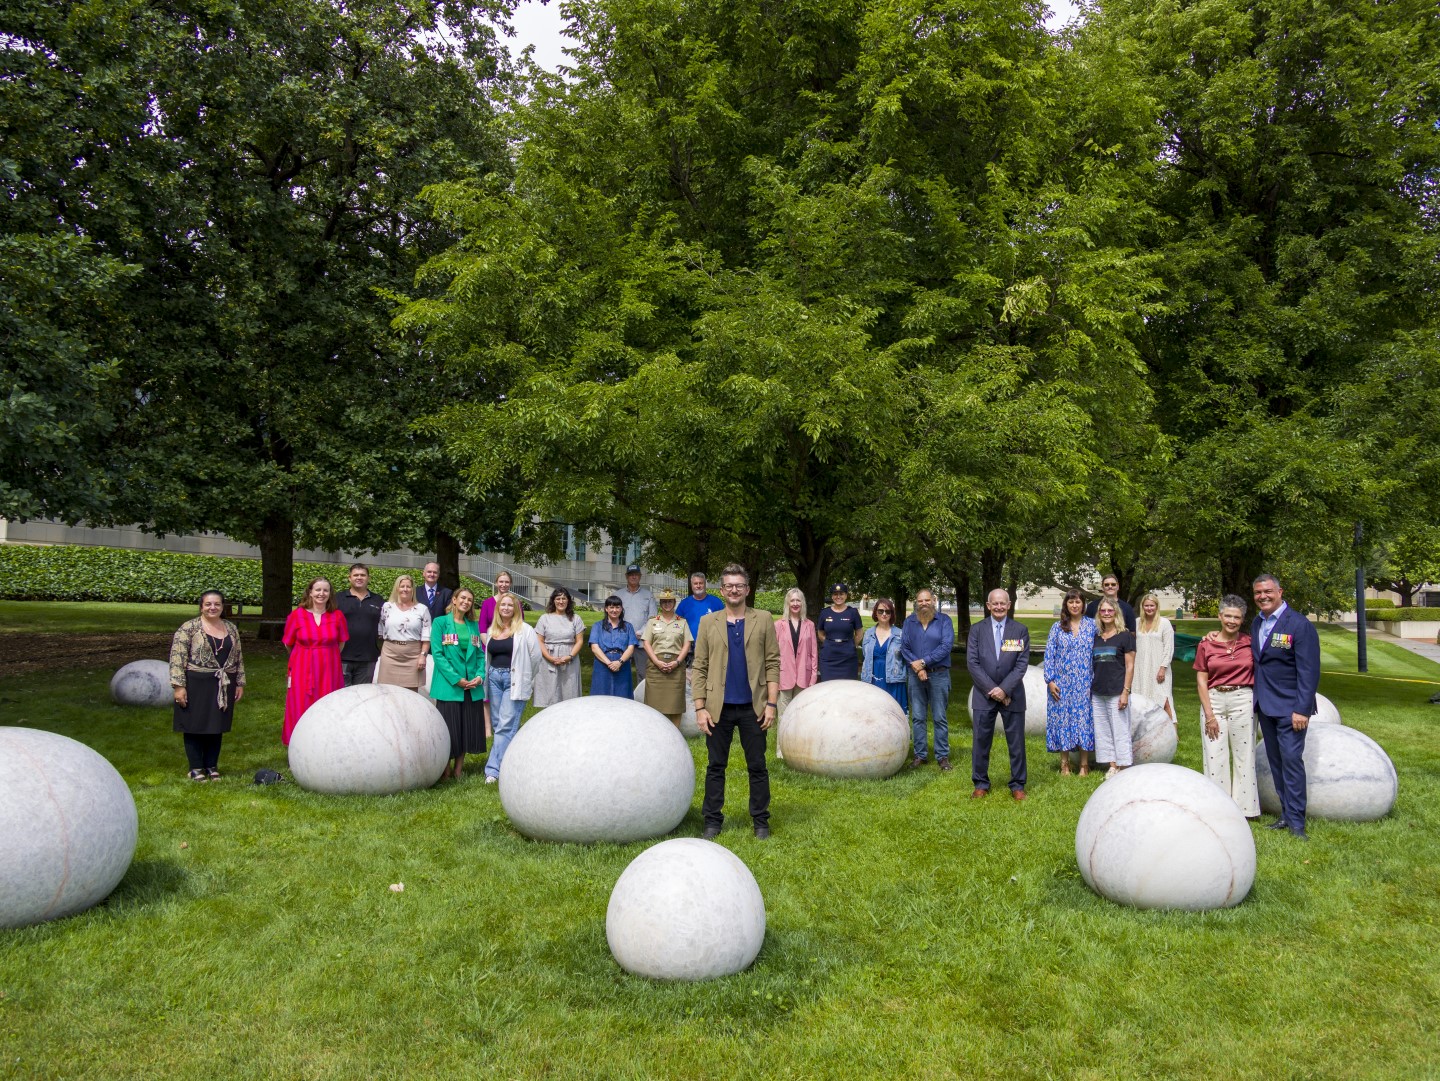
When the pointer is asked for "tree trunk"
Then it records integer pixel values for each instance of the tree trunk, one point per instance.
(1012, 586)
(277, 572)
(992, 567)
(447, 554)
(961, 585)
(902, 604)
(1238, 569)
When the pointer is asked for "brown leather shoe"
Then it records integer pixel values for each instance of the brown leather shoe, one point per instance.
(980, 793)
(944, 765)
(916, 762)
(1019, 794)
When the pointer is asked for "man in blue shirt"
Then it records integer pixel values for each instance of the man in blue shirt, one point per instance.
(926, 642)
(1287, 676)
(698, 603)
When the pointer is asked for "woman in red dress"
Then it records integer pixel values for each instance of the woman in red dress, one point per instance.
(314, 632)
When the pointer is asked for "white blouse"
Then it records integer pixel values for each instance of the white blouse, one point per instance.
(398, 626)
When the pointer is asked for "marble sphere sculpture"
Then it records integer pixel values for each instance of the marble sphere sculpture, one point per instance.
(142, 683)
(685, 909)
(1325, 711)
(1153, 737)
(1036, 695)
(1163, 836)
(597, 769)
(67, 827)
(1348, 776)
(372, 739)
(688, 728)
(845, 728)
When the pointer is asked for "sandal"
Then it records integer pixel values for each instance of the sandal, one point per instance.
(1084, 771)
(1065, 768)
(198, 775)
(214, 773)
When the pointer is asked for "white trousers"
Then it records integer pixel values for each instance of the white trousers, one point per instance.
(1112, 730)
(1230, 758)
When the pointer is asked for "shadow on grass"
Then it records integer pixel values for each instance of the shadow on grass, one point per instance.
(151, 882)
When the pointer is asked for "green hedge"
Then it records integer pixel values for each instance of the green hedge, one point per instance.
(1378, 602)
(769, 600)
(1402, 615)
(74, 572)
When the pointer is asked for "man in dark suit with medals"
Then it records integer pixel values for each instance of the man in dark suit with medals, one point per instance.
(997, 655)
(1287, 676)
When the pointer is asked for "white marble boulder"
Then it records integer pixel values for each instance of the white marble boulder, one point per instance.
(372, 739)
(1153, 738)
(688, 728)
(845, 728)
(142, 683)
(1163, 836)
(685, 909)
(1325, 711)
(597, 769)
(68, 827)
(1036, 694)
(1348, 776)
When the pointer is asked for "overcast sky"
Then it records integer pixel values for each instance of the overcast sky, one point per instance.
(540, 25)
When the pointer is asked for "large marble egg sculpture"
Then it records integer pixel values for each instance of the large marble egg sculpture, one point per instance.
(1348, 776)
(597, 769)
(688, 728)
(845, 728)
(142, 683)
(1163, 836)
(67, 827)
(1152, 735)
(685, 909)
(1325, 711)
(372, 739)
(1036, 694)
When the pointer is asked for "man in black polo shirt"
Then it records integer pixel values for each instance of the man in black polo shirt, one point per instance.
(361, 610)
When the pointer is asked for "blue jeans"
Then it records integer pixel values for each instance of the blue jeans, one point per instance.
(931, 694)
(504, 717)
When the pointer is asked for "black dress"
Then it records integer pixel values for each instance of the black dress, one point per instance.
(202, 715)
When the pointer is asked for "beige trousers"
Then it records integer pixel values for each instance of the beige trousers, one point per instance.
(1230, 758)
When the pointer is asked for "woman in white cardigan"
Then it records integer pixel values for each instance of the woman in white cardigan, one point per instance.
(1154, 652)
(512, 655)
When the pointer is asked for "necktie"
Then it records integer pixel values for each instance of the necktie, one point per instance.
(999, 630)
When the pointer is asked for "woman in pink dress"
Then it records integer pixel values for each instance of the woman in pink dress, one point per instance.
(314, 632)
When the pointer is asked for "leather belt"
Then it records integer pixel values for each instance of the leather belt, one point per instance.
(1238, 687)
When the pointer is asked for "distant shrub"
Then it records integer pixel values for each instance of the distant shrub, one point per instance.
(769, 600)
(1403, 615)
(1378, 602)
(77, 572)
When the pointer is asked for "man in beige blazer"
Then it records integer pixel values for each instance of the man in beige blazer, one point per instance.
(737, 669)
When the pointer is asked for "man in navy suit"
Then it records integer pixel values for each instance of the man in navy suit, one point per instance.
(431, 593)
(1287, 675)
(997, 655)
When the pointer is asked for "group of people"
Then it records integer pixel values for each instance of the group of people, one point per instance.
(484, 662)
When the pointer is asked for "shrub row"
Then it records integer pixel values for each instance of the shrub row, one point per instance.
(1372, 603)
(768, 600)
(74, 572)
(1402, 615)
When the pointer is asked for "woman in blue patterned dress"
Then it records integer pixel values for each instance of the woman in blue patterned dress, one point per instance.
(1069, 724)
(613, 642)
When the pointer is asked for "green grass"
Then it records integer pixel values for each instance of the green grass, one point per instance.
(911, 932)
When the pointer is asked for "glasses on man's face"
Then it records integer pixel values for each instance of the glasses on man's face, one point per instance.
(733, 586)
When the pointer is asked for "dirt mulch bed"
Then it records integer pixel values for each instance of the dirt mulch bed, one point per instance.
(21, 652)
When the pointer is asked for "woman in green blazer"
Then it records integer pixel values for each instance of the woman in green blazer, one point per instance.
(458, 683)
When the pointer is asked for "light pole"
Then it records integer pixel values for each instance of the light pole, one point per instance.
(1362, 662)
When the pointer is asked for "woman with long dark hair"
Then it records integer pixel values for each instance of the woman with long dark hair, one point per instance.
(208, 676)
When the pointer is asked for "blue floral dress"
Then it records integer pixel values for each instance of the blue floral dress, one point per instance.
(1069, 724)
(613, 641)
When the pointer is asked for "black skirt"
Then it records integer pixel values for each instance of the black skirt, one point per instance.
(466, 721)
(202, 717)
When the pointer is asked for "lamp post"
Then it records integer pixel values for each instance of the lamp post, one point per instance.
(1362, 662)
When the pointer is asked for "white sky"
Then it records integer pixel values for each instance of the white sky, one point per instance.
(540, 25)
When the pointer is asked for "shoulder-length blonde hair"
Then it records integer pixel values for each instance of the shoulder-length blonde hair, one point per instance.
(515, 620)
(794, 591)
(395, 589)
(1119, 620)
(1144, 624)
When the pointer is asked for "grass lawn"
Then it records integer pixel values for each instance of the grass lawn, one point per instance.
(911, 932)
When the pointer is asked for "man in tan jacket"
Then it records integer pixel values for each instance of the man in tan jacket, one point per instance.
(737, 669)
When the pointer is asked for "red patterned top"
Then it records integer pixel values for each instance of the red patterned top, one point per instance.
(314, 661)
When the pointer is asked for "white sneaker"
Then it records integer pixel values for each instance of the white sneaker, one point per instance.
(1111, 772)
(491, 780)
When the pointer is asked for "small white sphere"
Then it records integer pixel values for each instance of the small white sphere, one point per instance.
(597, 769)
(372, 739)
(688, 727)
(1348, 776)
(142, 683)
(68, 827)
(1163, 836)
(1325, 711)
(845, 728)
(1153, 737)
(685, 909)
(1036, 694)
